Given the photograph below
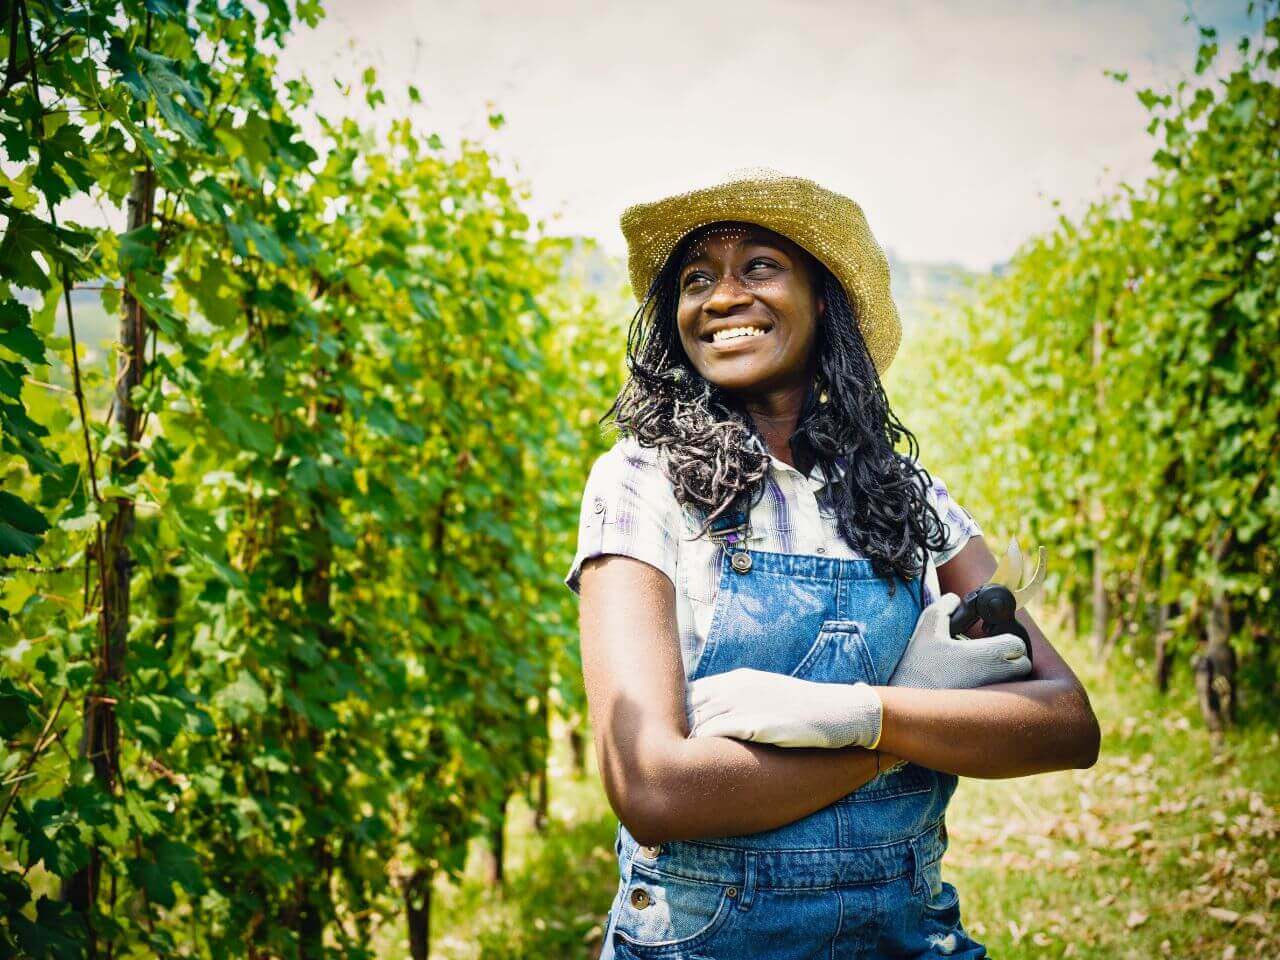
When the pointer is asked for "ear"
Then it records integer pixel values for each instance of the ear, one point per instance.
(819, 306)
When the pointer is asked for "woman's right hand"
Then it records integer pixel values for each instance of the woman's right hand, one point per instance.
(938, 661)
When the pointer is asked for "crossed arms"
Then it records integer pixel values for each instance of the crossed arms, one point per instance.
(664, 785)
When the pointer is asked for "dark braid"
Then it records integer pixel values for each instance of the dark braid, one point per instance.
(714, 453)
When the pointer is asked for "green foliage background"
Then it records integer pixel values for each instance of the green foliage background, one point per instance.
(280, 602)
(1119, 392)
(282, 607)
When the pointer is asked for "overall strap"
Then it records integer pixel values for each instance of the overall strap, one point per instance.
(731, 530)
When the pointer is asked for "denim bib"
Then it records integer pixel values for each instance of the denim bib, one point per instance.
(860, 877)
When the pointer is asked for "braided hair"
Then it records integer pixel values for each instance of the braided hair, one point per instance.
(715, 456)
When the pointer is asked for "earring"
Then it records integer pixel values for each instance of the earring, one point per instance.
(822, 397)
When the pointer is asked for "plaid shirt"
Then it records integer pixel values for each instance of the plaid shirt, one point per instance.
(630, 508)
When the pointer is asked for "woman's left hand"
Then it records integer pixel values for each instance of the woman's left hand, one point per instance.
(765, 707)
(936, 660)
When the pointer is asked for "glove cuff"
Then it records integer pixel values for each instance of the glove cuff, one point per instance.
(867, 714)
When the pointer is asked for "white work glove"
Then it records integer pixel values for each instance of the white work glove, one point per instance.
(787, 711)
(937, 661)
(748, 704)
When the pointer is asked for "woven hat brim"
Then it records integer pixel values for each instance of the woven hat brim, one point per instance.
(828, 225)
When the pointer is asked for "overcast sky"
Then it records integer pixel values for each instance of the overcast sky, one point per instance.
(954, 124)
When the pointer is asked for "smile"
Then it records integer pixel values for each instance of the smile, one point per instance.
(730, 334)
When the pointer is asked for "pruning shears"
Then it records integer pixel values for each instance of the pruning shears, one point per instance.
(1009, 588)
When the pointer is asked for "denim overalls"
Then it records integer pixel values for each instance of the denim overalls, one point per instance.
(860, 878)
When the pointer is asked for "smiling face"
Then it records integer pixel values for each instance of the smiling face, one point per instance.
(747, 309)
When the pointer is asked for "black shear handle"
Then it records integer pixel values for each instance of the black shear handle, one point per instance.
(994, 605)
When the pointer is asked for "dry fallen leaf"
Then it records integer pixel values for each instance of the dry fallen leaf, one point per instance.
(1135, 919)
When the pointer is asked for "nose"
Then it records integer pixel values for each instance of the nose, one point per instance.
(726, 294)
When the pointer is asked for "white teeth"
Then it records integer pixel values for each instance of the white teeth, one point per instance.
(734, 332)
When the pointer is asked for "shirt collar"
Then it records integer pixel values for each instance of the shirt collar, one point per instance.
(816, 479)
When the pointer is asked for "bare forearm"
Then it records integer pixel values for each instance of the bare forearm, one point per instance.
(718, 787)
(663, 784)
(1002, 730)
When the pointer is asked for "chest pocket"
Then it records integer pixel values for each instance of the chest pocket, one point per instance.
(771, 621)
(827, 514)
(699, 558)
(698, 562)
(839, 654)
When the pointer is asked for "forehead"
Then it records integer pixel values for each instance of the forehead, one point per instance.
(732, 233)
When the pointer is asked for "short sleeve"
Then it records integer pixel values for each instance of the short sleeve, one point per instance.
(628, 508)
(958, 524)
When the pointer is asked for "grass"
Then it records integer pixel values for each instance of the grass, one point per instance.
(1164, 848)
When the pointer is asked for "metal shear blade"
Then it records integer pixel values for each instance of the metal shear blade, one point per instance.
(1035, 584)
(1009, 567)
(1011, 572)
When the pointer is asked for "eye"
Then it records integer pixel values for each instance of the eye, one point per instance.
(760, 263)
(695, 276)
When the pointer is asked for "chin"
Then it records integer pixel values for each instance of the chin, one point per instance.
(737, 381)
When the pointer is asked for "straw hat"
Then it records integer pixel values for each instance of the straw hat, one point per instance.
(828, 225)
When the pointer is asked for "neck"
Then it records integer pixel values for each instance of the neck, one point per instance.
(775, 415)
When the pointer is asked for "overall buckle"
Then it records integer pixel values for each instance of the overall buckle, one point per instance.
(731, 531)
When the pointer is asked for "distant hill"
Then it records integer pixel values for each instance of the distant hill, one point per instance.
(916, 286)
(96, 330)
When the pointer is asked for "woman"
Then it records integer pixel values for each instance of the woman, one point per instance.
(780, 714)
